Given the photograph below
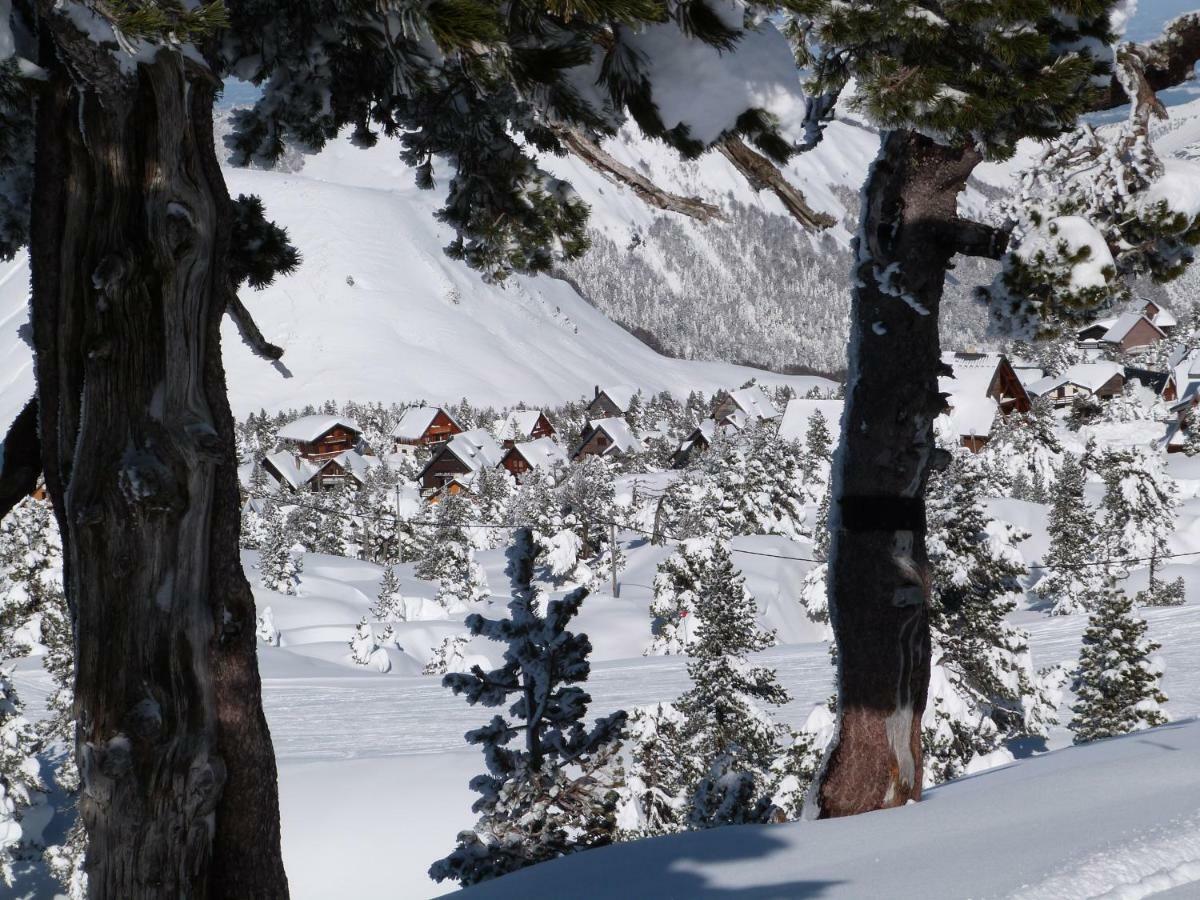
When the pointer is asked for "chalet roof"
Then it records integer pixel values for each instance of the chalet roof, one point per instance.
(618, 432)
(416, 421)
(1124, 324)
(352, 462)
(794, 426)
(309, 428)
(476, 449)
(620, 394)
(754, 403)
(1164, 318)
(519, 424)
(1091, 376)
(1105, 323)
(542, 453)
(296, 471)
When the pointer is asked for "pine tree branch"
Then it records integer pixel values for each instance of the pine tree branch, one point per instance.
(619, 173)
(250, 331)
(20, 458)
(1166, 61)
(979, 239)
(762, 174)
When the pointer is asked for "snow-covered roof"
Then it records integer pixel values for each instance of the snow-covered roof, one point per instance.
(620, 394)
(1091, 376)
(296, 471)
(309, 428)
(1105, 323)
(542, 453)
(519, 424)
(353, 463)
(416, 421)
(1124, 324)
(754, 403)
(794, 426)
(476, 449)
(618, 432)
(1164, 318)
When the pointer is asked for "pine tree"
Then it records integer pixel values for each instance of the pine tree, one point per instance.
(731, 742)
(279, 562)
(1069, 579)
(984, 691)
(264, 628)
(1138, 509)
(532, 808)
(365, 649)
(21, 784)
(449, 656)
(1117, 682)
(389, 604)
(818, 453)
(676, 586)
(653, 797)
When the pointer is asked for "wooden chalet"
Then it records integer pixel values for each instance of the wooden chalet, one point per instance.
(694, 444)
(1099, 380)
(542, 455)
(978, 387)
(610, 402)
(293, 473)
(606, 438)
(736, 408)
(524, 425)
(1145, 324)
(424, 426)
(460, 459)
(321, 437)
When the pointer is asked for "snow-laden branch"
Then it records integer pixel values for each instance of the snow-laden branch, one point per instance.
(1166, 61)
(765, 175)
(619, 173)
(250, 331)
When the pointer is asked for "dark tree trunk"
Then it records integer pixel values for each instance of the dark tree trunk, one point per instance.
(129, 247)
(879, 580)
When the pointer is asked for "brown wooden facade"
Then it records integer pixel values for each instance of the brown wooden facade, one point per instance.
(603, 407)
(541, 428)
(440, 429)
(1007, 390)
(442, 469)
(334, 442)
(595, 442)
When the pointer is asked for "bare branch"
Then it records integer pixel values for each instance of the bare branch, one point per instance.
(20, 458)
(765, 175)
(978, 239)
(1166, 61)
(249, 329)
(619, 173)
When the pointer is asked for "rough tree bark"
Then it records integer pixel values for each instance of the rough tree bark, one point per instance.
(879, 580)
(129, 246)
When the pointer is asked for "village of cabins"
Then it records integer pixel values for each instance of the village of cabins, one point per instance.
(324, 452)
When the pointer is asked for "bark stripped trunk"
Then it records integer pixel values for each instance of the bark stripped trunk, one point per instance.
(878, 585)
(129, 242)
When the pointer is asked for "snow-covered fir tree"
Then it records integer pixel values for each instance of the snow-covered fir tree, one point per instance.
(1138, 509)
(676, 587)
(652, 798)
(264, 627)
(366, 650)
(818, 454)
(1117, 681)
(280, 560)
(984, 692)
(449, 656)
(23, 804)
(1069, 578)
(389, 603)
(449, 558)
(539, 801)
(730, 739)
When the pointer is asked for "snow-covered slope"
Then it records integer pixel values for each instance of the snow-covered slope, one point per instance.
(1115, 819)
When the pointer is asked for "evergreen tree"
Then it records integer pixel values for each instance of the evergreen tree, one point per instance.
(365, 650)
(21, 784)
(676, 586)
(984, 692)
(389, 604)
(818, 453)
(1117, 682)
(264, 628)
(450, 656)
(279, 561)
(730, 740)
(532, 807)
(1069, 579)
(1138, 509)
(331, 523)
(653, 798)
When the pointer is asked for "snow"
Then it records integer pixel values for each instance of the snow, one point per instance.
(754, 403)
(1076, 234)
(476, 449)
(1178, 188)
(543, 453)
(309, 428)
(794, 425)
(972, 411)
(1091, 376)
(519, 425)
(621, 438)
(296, 471)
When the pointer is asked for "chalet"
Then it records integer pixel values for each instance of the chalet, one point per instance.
(736, 408)
(542, 454)
(979, 387)
(460, 459)
(317, 438)
(606, 437)
(524, 425)
(611, 402)
(1101, 380)
(794, 424)
(694, 444)
(1144, 324)
(1183, 368)
(424, 426)
(295, 473)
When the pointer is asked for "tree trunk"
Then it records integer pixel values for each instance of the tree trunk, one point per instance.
(879, 580)
(129, 244)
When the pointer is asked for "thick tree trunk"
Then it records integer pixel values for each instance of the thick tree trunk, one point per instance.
(129, 246)
(879, 582)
